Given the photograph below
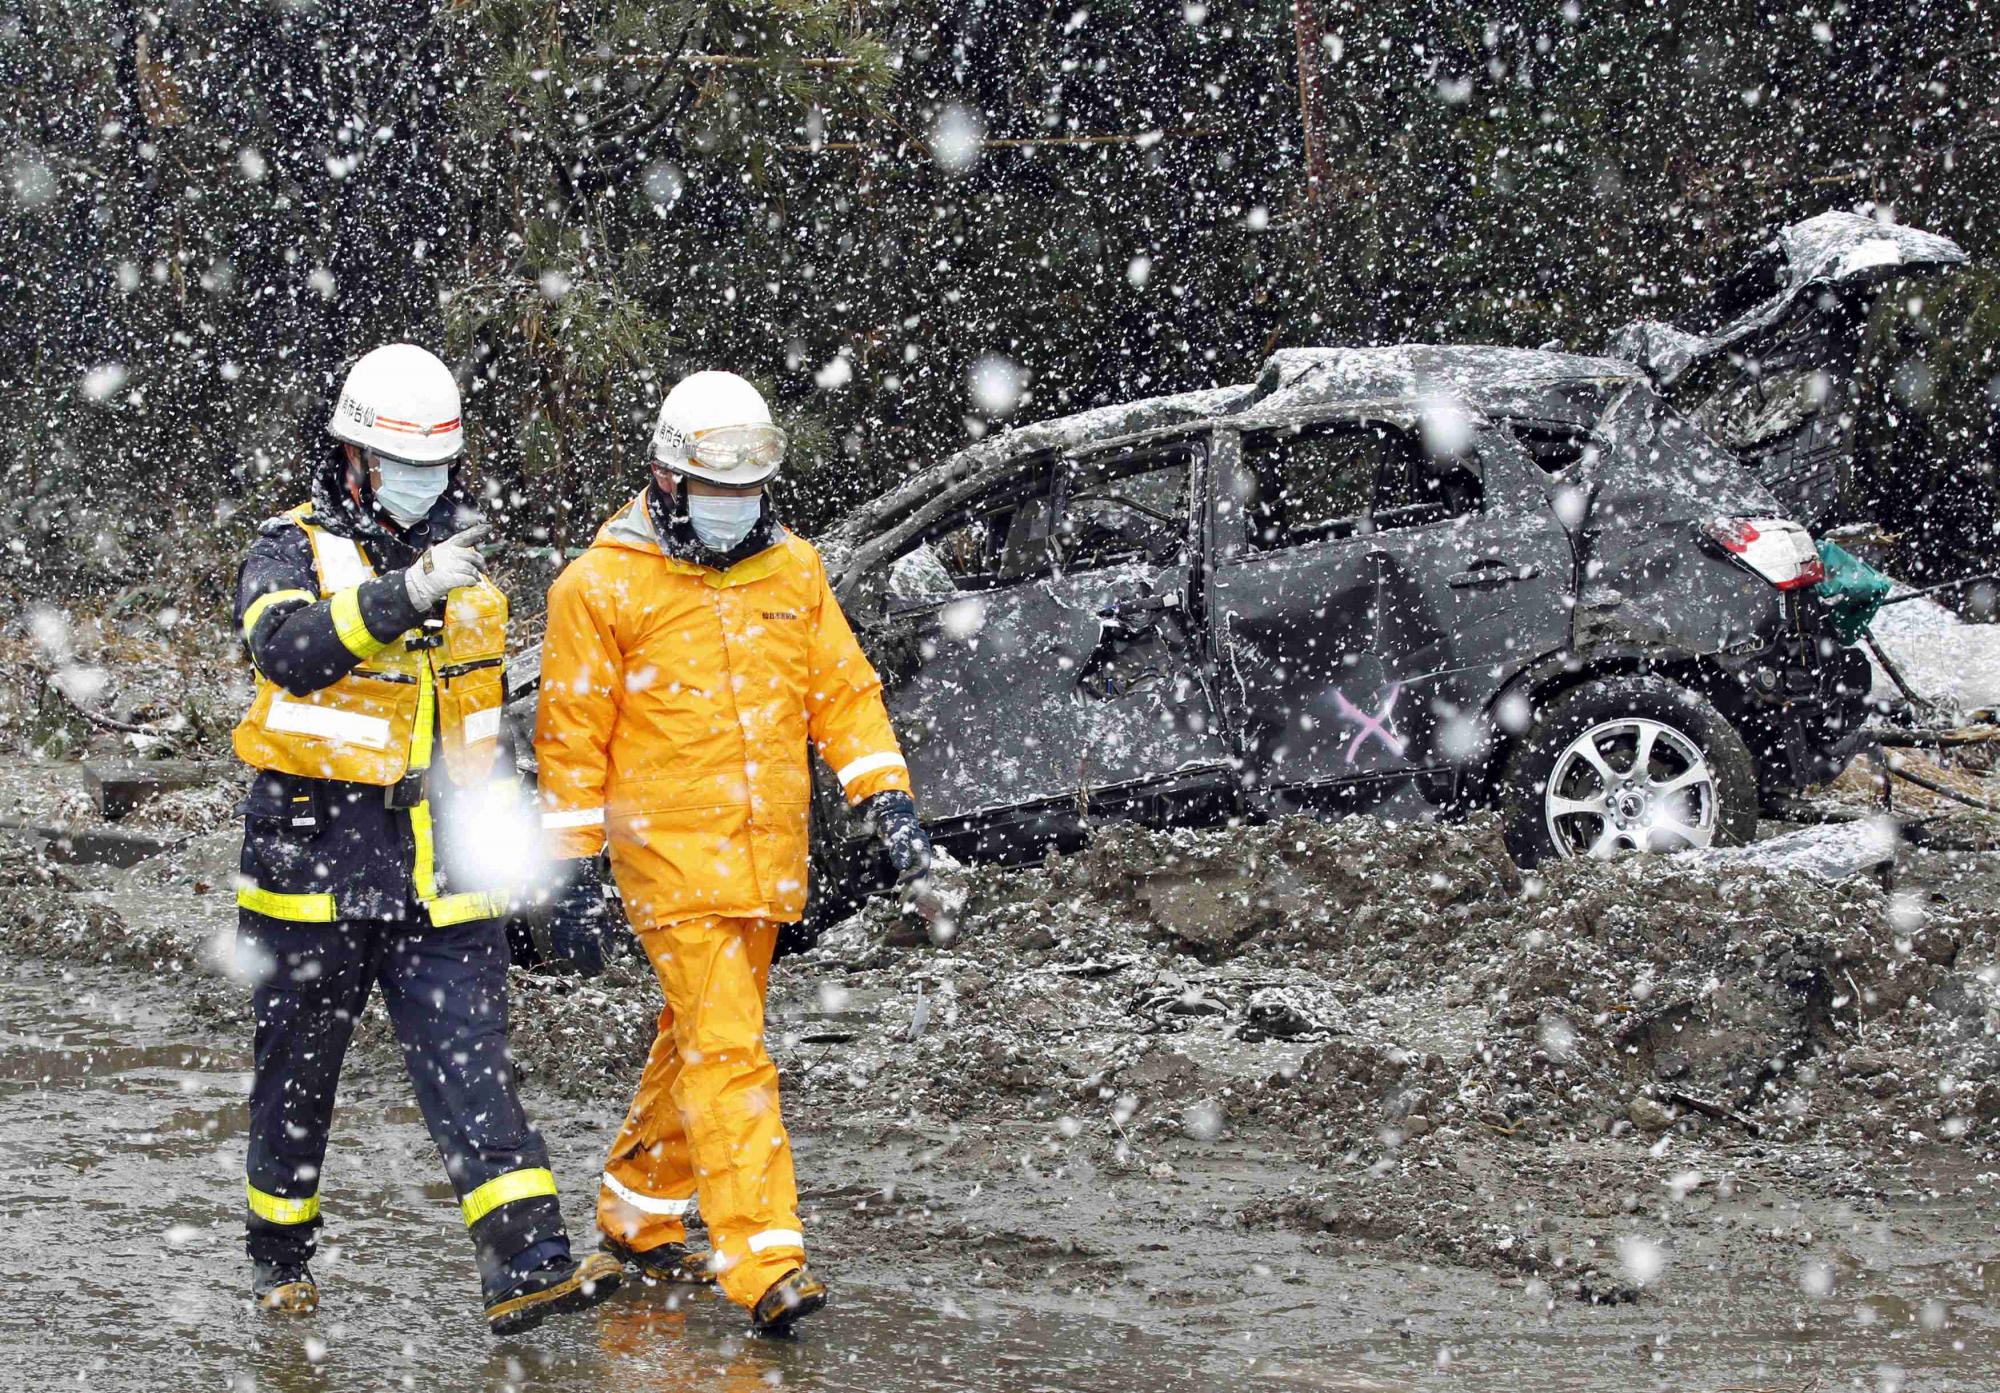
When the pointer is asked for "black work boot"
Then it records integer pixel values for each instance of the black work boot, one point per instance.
(797, 1293)
(285, 1287)
(555, 1290)
(672, 1263)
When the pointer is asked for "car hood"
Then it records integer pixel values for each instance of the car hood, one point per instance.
(1833, 249)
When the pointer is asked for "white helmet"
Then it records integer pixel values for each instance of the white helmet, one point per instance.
(715, 426)
(400, 401)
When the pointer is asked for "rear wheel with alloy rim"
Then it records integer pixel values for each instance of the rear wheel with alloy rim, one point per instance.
(1628, 764)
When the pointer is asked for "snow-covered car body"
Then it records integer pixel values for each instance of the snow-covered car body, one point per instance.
(1343, 586)
(1767, 366)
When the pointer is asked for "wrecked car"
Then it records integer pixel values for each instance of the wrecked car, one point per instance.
(1404, 580)
(1769, 365)
(1408, 580)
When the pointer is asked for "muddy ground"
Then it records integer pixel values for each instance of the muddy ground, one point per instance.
(1293, 1106)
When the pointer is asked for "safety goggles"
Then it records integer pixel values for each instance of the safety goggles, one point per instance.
(730, 449)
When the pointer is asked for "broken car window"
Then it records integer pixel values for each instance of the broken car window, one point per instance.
(1126, 509)
(1001, 539)
(1312, 483)
(1554, 445)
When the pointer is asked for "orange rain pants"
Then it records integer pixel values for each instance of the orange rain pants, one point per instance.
(705, 1119)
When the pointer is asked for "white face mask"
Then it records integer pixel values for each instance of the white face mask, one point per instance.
(408, 491)
(723, 520)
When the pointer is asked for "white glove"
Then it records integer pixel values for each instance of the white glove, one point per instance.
(448, 566)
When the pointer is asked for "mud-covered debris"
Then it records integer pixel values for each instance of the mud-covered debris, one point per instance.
(119, 786)
(1279, 1013)
(101, 846)
(1410, 1021)
(1649, 1114)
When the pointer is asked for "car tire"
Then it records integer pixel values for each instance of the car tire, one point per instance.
(1699, 789)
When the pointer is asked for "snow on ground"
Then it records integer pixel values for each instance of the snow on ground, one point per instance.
(1942, 655)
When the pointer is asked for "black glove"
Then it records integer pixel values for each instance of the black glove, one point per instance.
(892, 819)
(581, 923)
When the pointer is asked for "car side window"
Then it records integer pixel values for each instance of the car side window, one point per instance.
(1553, 445)
(1125, 509)
(1314, 483)
(1001, 539)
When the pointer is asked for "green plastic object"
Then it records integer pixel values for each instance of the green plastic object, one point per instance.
(1853, 590)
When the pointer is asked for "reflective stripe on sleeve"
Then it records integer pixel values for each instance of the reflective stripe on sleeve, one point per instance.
(277, 1209)
(327, 723)
(264, 602)
(351, 629)
(867, 764)
(777, 1238)
(506, 1189)
(646, 1204)
(296, 909)
(579, 817)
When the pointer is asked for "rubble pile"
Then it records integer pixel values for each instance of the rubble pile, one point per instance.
(1426, 1050)
(1346, 979)
(1352, 984)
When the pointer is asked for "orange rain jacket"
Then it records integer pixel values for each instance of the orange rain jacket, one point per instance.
(676, 705)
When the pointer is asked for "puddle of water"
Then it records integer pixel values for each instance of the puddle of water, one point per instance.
(125, 1269)
(121, 1128)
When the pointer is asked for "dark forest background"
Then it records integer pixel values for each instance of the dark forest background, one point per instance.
(910, 222)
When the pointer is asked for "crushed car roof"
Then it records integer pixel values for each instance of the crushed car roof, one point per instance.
(1294, 382)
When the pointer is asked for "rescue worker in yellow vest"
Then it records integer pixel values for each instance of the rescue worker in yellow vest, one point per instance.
(378, 644)
(692, 655)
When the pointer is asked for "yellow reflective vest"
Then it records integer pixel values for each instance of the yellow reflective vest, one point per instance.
(386, 717)
(376, 724)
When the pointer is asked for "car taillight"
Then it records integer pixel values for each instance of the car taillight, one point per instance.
(1777, 549)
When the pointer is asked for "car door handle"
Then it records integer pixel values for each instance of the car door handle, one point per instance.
(1491, 570)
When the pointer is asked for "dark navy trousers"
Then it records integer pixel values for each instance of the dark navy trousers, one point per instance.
(446, 994)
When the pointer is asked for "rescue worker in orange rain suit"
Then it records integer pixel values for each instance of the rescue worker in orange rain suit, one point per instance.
(692, 653)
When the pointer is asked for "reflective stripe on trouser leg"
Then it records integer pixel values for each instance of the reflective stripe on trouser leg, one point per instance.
(507, 1189)
(648, 1183)
(714, 972)
(312, 980)
(276, 1209)
(446, 990)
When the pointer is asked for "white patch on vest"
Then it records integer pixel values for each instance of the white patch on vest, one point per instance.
(348, 727)
(339, 561)
(482, 725)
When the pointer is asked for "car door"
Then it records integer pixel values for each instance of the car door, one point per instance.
(1370, 598)
(1047, 665)
(1495, 569)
